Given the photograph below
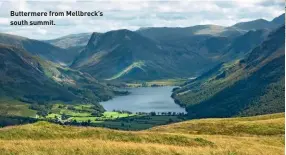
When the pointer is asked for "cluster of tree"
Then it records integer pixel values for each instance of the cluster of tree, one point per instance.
(72, 122)
(122, 111)
(15, 120)
(156, 85)
(43, 109)
(153, 113)
(162, 113)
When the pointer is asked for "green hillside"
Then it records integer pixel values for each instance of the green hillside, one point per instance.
(29, 83)
(250, 86)
(261, 135)
(39, 48)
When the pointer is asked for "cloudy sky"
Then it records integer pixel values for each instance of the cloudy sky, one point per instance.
(127, 14)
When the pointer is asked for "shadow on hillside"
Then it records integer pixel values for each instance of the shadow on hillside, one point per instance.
(15, 120)
(133, 122)
(138, 122)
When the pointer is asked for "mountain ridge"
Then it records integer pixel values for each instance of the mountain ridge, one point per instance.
(36, 47)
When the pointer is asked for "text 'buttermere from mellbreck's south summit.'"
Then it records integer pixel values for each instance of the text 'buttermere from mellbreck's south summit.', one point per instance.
(49, 14)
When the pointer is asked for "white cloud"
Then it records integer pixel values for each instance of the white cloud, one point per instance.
(41, 31)
(4, 21)
(134, 14)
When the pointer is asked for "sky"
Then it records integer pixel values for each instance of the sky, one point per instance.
(132, 15)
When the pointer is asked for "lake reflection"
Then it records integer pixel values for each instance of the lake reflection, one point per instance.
(145, 99)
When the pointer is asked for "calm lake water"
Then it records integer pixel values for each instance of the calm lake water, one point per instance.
(145, 99)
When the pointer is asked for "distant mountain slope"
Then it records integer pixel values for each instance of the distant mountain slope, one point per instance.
(73, 43)
(173, 33)
(72, 40)
(124, 54)
(280, 20)
(261, 24)
(31, 79)
(241, 45)
(163, 34)
(38, 48)
(254, 85)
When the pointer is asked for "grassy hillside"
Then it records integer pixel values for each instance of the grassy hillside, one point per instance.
(261, 135)
(30, 85)
(271, 124)
(32, 78)
(22, 77)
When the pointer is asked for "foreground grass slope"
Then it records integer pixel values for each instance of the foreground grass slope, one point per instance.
(263, 125)
(249, 135)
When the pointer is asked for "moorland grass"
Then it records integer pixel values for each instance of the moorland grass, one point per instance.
(187, 138)
(272, 124)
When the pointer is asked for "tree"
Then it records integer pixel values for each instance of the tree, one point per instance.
(153, 113)
(64, 116)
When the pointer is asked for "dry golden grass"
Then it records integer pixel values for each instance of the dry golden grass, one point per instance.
(49, 139)
(224, 145)
(273, 124)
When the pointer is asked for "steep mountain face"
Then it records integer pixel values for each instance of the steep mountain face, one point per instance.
(39, 48)
(261, 24)
(33, 80)
(126, 55)
(250, 86)
(242, 45)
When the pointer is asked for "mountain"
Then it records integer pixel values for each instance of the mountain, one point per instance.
(39, 48)
(71, 40)
(73, 43)
(33, 80)
(22, 75)
(261, 24)
(173, 33)
(250, 86)
(243, 44)
(126, 55)
(280, 20)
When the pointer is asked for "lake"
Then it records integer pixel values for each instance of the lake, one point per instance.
(145, 99)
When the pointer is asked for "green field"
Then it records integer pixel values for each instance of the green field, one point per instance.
(80, 114)
(163, 82)
(11, 107)
(76, 114)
